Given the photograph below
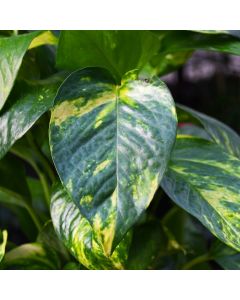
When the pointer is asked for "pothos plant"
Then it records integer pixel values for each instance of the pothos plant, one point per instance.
(93, 147)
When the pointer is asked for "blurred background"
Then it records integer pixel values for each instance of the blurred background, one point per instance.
(210, 83)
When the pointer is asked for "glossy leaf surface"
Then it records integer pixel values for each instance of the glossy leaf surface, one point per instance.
(77, 235)
(218, 131)
(205, 181)
(19, 118)
(3, 242)
(44, 38)
(12, 50)
(111, 145)
(118, 51)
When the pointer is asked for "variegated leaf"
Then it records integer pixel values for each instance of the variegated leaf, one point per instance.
(3, 242)
(34, 101)
(205, 181)
(111, 145)
(12, 51)
(77, 235)
(219, 132)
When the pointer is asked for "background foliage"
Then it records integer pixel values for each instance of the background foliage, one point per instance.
(166, 197)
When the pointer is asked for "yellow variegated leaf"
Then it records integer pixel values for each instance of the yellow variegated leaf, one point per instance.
(111, 145)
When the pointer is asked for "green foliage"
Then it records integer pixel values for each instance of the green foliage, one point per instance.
(88, 159)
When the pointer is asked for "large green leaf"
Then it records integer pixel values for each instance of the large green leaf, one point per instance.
(108, 149)
(34, 100)
(205, 181)
(32, 256)
(78, 236)
(118, 51)
(219, 132)
(12, 50)
(173, 41)
(3, 242)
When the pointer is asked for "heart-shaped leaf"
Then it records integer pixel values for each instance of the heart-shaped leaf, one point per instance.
(111, 145)
(119, 51)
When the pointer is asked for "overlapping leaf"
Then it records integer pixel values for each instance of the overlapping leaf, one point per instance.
(111, 145)
(219, 132)
(32, 256)
(118, 51)
(77, 235)
(12, 50)
(173, 41)
(205, 181)
(19, 118)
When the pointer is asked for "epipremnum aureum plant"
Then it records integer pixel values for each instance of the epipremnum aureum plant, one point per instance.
(91, 149)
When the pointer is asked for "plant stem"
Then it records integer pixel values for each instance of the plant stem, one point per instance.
(41, 176)
(197, 260)
(41, 157)
(34, 217)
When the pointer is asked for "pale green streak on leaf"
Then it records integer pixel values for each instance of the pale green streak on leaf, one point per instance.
(218, 131)
(45, 38)
(12, 50)
(119, 51)
(193, 130)
(120, 142)
(77, 235)
(20, 117)
(205, 181)
(32, 256)
(3, 243)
